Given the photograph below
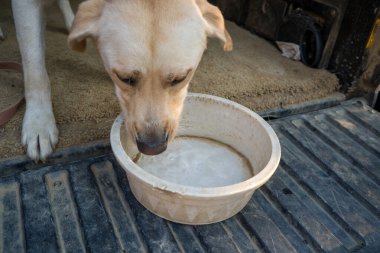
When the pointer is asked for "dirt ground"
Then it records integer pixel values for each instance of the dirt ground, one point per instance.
(253, 74)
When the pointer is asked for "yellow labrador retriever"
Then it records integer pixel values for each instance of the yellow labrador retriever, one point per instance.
(150, 49)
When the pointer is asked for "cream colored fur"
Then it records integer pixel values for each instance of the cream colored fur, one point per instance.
(156, 43)
(39, 131)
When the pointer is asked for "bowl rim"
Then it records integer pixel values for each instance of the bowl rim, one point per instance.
(191, 191)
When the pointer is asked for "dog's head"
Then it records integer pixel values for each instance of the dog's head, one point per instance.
(150, 48)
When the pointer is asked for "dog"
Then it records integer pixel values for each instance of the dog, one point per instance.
(150, 49)
(39, 130)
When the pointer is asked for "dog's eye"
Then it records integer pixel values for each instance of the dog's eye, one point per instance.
(131, 81)
(174, 80)
(178, 80)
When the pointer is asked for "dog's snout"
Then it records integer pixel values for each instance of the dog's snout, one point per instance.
(152, 144)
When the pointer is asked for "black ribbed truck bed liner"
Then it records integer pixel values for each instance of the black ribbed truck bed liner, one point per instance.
(324, 197)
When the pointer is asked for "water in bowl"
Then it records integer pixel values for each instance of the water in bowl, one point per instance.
(198, 162)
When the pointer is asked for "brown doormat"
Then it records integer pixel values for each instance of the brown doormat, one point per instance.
(253, 74)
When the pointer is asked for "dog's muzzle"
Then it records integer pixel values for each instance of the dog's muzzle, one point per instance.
(152, 145)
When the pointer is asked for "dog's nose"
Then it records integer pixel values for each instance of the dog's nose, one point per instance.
(152, 145)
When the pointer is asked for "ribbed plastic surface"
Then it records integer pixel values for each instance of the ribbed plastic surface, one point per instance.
(325, 197)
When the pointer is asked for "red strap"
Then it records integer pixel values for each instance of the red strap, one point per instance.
(7, 113)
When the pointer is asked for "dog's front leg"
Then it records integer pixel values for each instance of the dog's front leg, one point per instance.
(67, 12)
(39, 131)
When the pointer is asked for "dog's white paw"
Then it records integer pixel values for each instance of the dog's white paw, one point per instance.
(39, 133)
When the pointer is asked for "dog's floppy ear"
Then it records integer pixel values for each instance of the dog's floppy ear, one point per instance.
(215, 23)
(85, 24)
